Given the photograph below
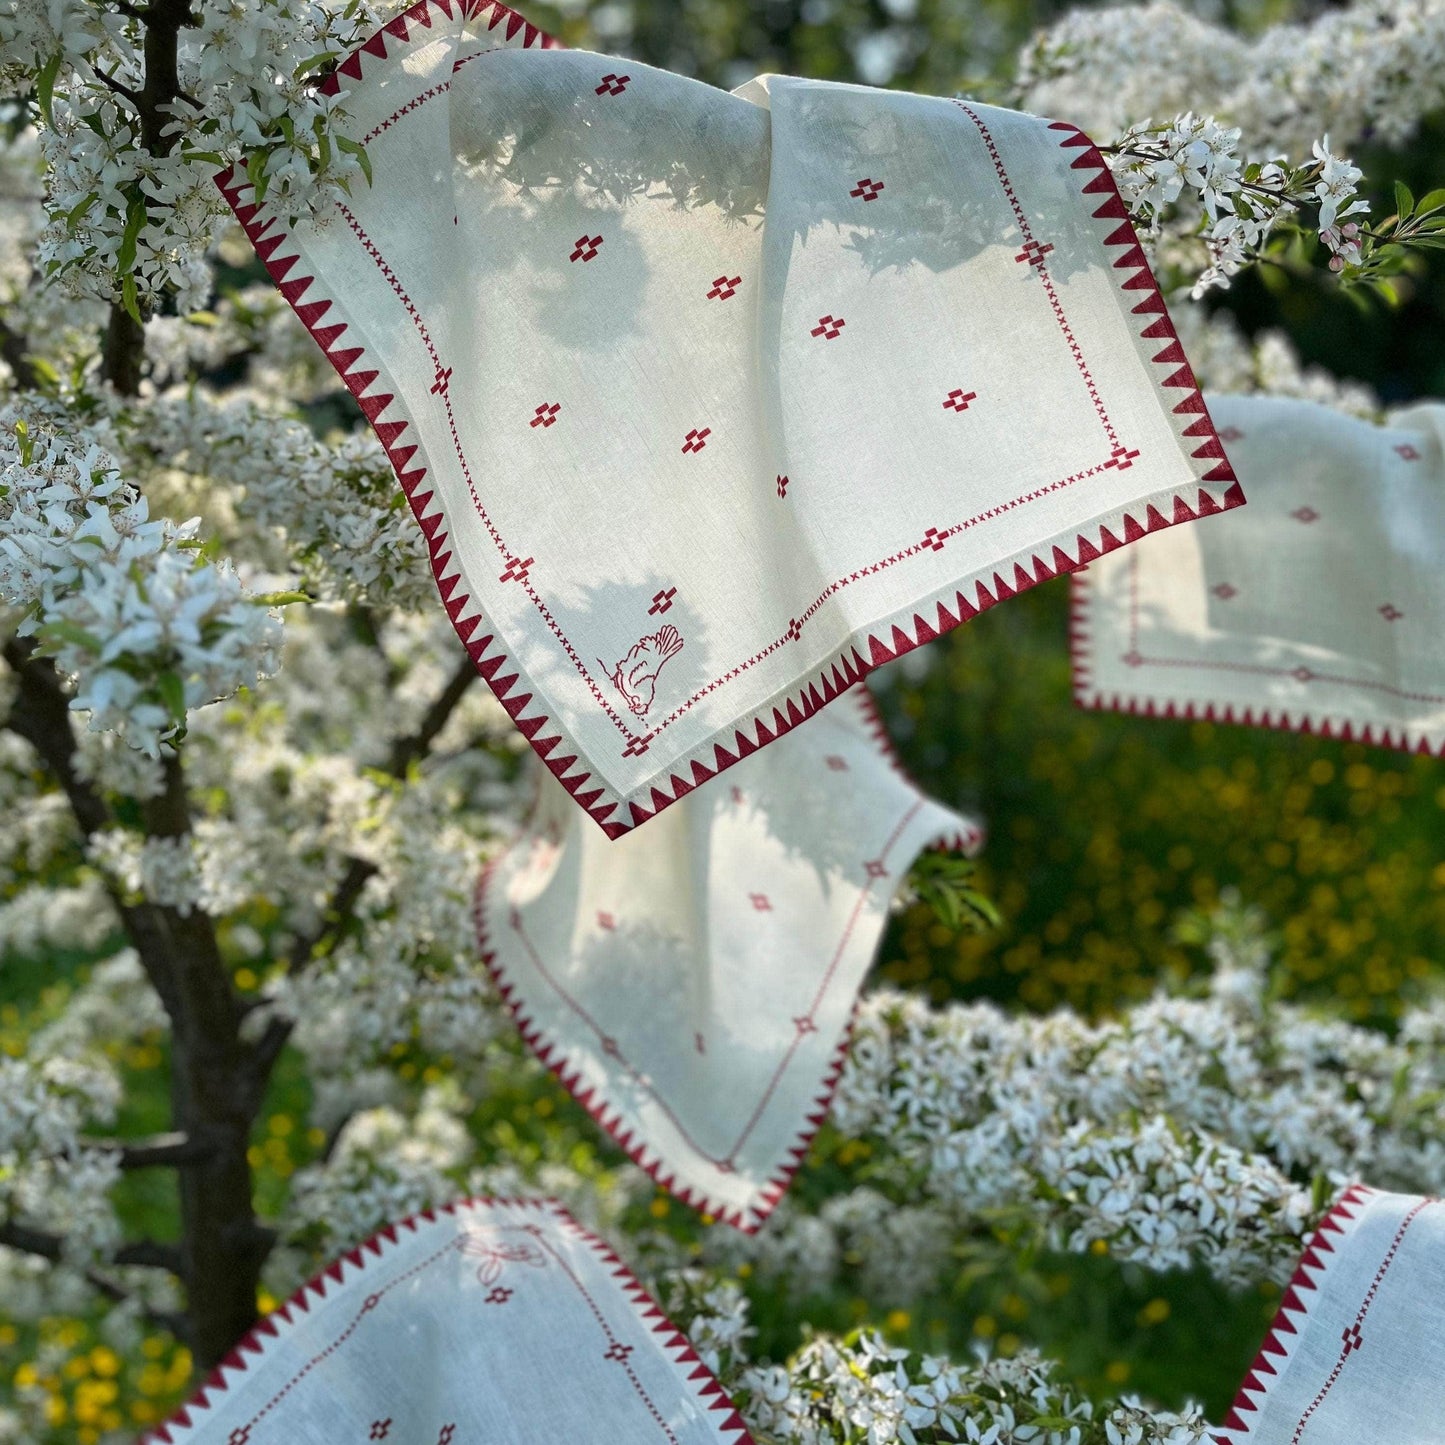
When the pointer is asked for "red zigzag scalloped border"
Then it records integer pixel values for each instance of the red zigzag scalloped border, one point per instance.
(855, 660)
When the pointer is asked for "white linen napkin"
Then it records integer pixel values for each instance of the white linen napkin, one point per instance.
(709, 403)
(1320, 609)
(1357, 1350)
(692, 984)
(490, 1322)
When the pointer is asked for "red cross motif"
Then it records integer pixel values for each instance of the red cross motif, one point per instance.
(829, 327)
(724, 287)
(932, 538)
(443, 381)
(1390, 612)
(804, 1025)
(1133, 659)
(609, 1047)
(866, 189)
(380, 1429)
(636, 747)
(1302, 674)
(1224, 591)
(517, 568)
(1305, 514)
(371, 1302)
(1122, 457)
(613, 84)
(737, 795)
(1408, 452)
(696, 440)
(618, 1351)
(761, 902)
(782, 486)
(838, 765)
(499, 1294)
(699, 1043)
(1352, 1338)
(795, 629)
(1034, 253)
(1230, 434)
(586, 248)
(546, 414)
(515, 919)
(661, 601)
(874, 868)
(958, 399)
(607, 921)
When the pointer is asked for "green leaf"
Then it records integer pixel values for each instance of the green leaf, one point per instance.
(59, 631)
(45, 87)
(173, 694)
(135, 218)
(80, 208)
(358, 150)
(280, 599)
(128, 298)
(1404, 201)
(1432, 200)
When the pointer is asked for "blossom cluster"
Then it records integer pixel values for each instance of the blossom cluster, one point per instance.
(128, 605)
(132, 209)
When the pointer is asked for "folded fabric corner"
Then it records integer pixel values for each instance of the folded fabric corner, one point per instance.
(692, 984)
(710, 403)
(1319, 611)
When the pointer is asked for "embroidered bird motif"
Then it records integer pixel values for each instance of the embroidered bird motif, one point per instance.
(635, 677)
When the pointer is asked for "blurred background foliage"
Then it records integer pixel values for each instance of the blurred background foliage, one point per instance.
(1104, 829)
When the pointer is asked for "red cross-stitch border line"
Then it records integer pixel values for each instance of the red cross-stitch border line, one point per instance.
(693, 1376)
(568, 1067)
(359, 371)
(1295, 1305)
(1305, 719)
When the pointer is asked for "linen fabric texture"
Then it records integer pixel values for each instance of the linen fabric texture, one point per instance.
(708, 402)
(488, 1322)
(1321, 611)
(692, 983)
(1357, 1350)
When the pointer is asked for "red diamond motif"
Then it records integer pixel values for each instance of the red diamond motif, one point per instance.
(1230, 434)
(586, 248)
(609, 1047)
(1408, 452)
(1133, 659)
(761, 902)
(1034, 253)
(443, 382)
(242, 1434)
(782, 486)
(607, 921)
(661, 601)
(838, 765)
(866, 189)
(613, 84)
(933, 538)
(795, 629)
(517, 568)
(1390, 612)
(380, 1429)
(958, 399)
(1224, 591)
(498, 1295)
(1305, 514)
(805, 1025)
(1121, 457)
(1352, 1338)
(546, 414)
(696, 440)
(618, 1352)
(1302, 674)
(445, 1438)
(874, 868)
(724, 287)
(636, 747)
(828, 327)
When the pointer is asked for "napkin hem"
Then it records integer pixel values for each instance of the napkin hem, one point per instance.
(707, 1392)
(1142, 702)
(618, 811)
(1287, 1327)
